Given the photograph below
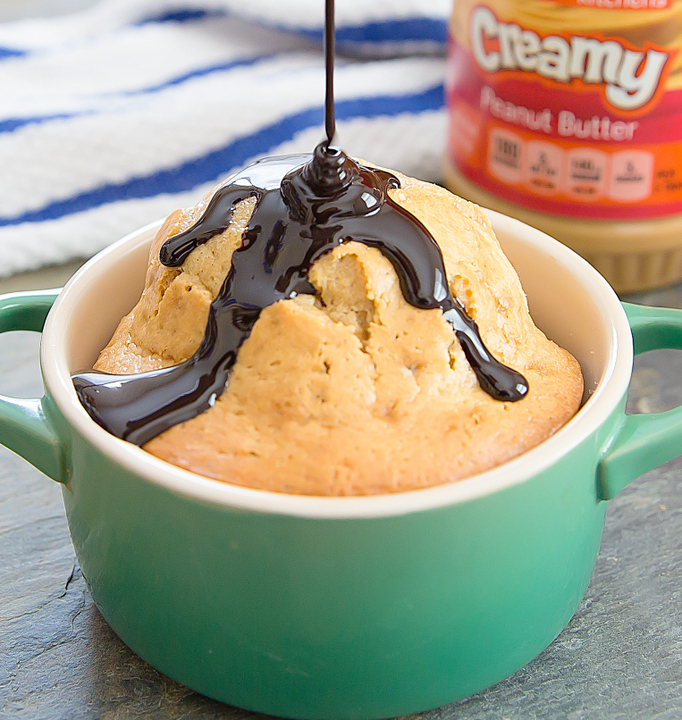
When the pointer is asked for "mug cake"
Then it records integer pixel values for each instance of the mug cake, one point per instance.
(347, 387)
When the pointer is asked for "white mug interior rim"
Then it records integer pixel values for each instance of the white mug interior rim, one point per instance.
(598, 407)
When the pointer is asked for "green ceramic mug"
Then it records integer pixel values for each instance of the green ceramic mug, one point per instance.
(342, 607)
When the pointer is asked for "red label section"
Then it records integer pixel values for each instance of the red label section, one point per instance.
(558, 150)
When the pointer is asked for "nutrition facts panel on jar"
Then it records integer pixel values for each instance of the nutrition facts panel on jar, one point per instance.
(585, 173)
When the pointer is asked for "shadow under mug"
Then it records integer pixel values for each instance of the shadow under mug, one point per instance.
(363, 607)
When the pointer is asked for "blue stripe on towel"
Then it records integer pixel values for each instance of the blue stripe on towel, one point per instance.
(210, 167)
(381, 31)
(181, 15)
(200, 72)
(390, 31)
(10, 124)
(6, 52)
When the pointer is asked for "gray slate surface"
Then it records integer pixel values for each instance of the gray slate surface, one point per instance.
(619, 657)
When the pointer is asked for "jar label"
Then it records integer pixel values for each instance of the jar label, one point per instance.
(578, 123)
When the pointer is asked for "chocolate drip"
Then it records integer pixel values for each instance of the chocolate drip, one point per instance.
(329, 54)
(304, 208)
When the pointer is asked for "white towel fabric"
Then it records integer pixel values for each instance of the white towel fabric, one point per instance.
(113, 117)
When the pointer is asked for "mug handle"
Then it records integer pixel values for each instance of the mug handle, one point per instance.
(645, 441)
(25, 428)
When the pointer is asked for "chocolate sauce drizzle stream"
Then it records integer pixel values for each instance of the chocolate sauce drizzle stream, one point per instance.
(304, 207)
(329, 54)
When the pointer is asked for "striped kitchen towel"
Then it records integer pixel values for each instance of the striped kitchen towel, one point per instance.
(113, 117)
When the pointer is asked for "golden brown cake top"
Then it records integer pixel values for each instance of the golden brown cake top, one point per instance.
(352, 391)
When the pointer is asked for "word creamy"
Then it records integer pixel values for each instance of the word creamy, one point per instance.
(630, 77)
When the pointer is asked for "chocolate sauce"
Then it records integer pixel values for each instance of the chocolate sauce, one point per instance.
(304, 207)
(329, 54)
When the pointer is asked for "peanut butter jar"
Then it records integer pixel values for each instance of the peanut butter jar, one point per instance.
(567, 114)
